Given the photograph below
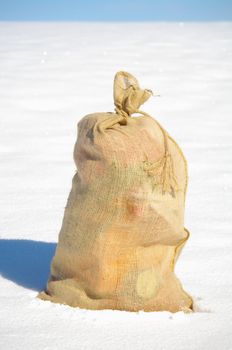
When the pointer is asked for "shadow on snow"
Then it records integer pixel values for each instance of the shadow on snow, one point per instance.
(26, 262)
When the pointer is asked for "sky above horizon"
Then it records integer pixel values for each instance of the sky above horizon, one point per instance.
(120, 10)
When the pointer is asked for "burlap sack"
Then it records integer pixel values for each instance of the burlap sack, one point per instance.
(123, 226)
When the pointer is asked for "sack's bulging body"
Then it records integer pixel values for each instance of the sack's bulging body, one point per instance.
(123, 226)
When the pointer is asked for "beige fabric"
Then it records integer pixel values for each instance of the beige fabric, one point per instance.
(123, 226)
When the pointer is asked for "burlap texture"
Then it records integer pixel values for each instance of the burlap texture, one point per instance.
(123, 226)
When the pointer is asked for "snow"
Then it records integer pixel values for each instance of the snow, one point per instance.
(52, 74)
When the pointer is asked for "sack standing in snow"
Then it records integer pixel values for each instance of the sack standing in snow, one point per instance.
(123, 226)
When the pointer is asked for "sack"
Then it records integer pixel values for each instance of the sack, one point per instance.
(123, 226)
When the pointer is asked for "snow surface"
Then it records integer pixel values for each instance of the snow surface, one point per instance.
(52, 74)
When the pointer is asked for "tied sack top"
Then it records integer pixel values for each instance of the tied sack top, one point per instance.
(123, 226)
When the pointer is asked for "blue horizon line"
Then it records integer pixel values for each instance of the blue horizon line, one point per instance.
(120, 20)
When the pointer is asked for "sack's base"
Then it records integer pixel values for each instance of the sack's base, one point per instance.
(66, 293)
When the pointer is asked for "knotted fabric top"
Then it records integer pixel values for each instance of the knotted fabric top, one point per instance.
(128, 96)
